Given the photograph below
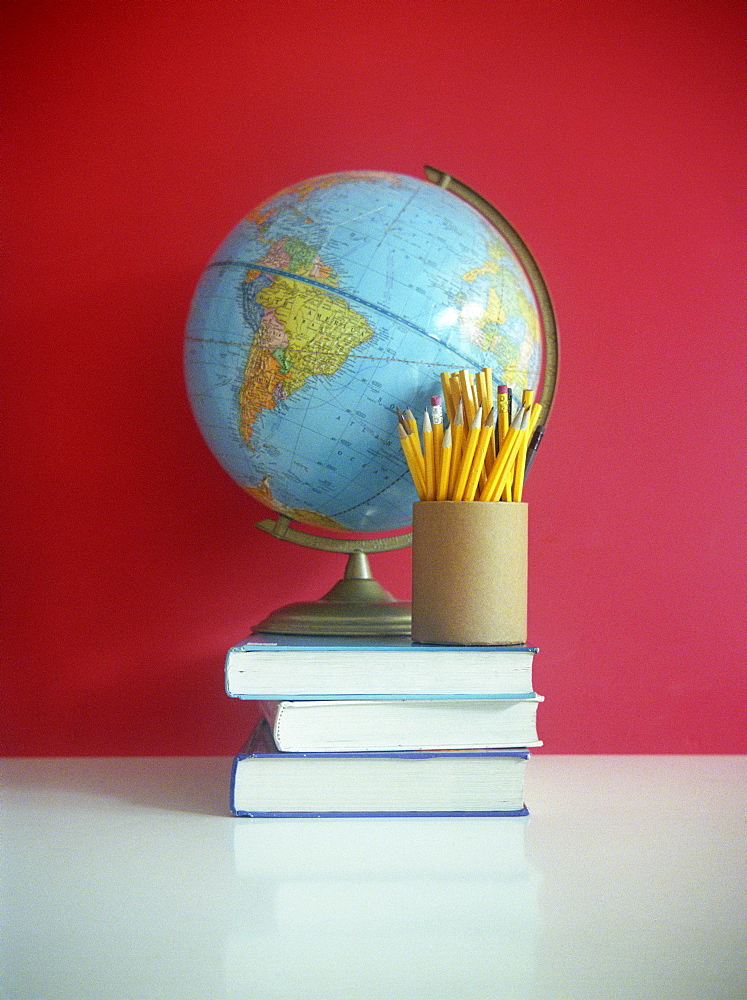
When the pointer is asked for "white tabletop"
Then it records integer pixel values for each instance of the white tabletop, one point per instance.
(125, 878)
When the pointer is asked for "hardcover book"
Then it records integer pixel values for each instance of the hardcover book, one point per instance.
(278, 667)
(268, 783)
(403, 724)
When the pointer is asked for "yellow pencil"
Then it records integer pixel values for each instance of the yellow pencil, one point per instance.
(448, 397)
(413, 425)
(437, 422)
(487, 406)
(505, 476)
(534, 415)
(487, 431)
(466, 461)
(480, 389)
(504, 422)
(457, 440)
(428, 458)
(488, 382)
(408, 451)
(468, 396)
(521, 457)
(504, 462)
(456, 392)
(503, 417)
(442, 490)
(520, 473)
(527, 401)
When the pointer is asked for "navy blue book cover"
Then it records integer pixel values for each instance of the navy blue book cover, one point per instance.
(262, 745)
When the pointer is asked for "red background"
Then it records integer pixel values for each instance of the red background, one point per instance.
(611, 135)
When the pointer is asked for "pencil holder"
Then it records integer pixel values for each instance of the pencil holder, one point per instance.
(469, 573)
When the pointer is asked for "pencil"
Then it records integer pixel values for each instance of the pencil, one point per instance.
(442, 490)
(488, 379)
(533, 438)
(468, 396)
(534, 415)
(503, 418)
(521, 457)
(504, 462)
(534, 444)
(480, 389)
(456, 392)
(457, 439)
(522, 417)
(448, 398)
(412, 425)
(408, 451)
(428, 458)
(437, 422)
(467, 455)
(504, 423)
(487, 407)
(516, 482)
(487, 432)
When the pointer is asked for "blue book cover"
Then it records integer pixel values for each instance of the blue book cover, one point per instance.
(266, 782)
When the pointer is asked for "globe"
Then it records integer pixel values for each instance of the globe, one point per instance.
(328, 307)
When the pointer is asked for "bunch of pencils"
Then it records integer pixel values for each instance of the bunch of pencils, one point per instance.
(484, 451)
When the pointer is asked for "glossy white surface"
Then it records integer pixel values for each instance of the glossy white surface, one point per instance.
(126, 879)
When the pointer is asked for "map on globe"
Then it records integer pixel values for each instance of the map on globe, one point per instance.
(332, 304)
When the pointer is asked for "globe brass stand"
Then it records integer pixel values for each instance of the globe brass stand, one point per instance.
(356, 605)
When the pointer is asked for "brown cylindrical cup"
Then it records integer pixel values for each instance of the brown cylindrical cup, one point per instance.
(469, 573)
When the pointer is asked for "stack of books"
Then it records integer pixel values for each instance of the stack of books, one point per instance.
(382, 727)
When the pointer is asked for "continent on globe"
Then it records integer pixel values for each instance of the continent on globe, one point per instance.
(303, 329)
(264, 495)
(329, 306)
(503, 286)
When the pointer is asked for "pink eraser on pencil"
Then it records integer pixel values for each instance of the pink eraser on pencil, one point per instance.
(502, 388)
(435, 400)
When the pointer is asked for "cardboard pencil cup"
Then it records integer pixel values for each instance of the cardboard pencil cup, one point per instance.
(469, 573)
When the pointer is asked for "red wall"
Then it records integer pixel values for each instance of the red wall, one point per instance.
(611, 135)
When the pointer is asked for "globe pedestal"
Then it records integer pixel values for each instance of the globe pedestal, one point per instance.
(356, 605)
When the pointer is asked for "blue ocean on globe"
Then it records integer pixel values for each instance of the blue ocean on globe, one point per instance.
(332, 304)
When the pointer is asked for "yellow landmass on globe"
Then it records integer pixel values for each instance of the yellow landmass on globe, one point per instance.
(305, 331)
(322, 329)
(492, 266)
(529, 314)
(494, 311)
(263, 493)
(516, 371)
(514, 363)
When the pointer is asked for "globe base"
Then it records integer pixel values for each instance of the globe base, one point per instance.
(356, 605)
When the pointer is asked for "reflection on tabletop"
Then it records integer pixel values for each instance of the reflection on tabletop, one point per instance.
(361, 905)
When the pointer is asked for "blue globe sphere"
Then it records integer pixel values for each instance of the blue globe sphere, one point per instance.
(329, 306)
